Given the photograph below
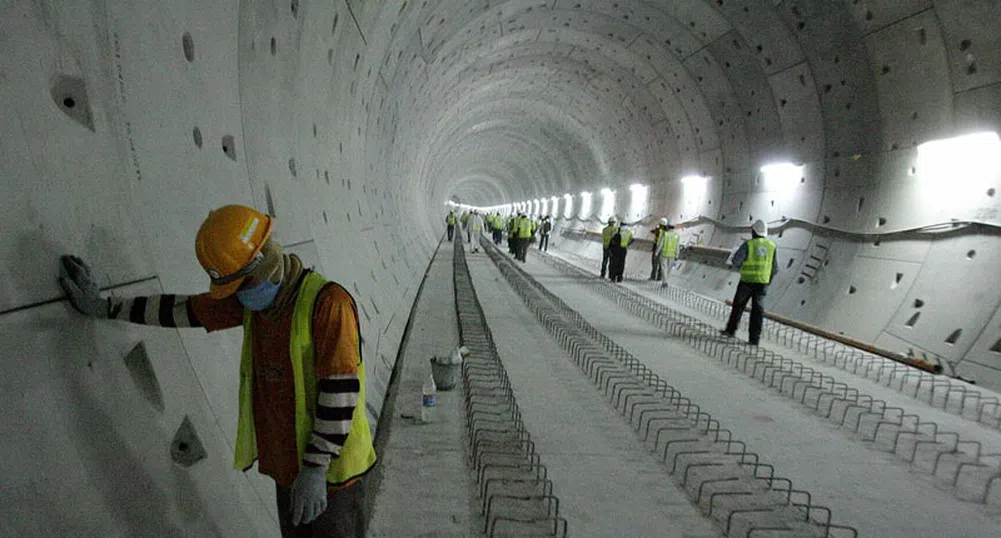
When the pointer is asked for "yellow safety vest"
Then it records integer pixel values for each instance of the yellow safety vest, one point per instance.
(757, 268)
(357, 455)
(624, 238)
(607, 233)
(450, 219)
(670, 248)
(525, 228)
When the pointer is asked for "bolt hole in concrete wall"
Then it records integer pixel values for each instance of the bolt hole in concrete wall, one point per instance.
(295, 8)
(187, 448)
(881, 222)
(789, 264)
(918, 303)
(274, 46)
(852, 290)
(189, 47)
(291, 167)
(996, 348)
(142, 373)
(196, 134)
(330, 56)
(861, 202)
(269, 200)
(971, 254)
(954, 337)
(896, 280)
(991, 191)
(229, 146)
(326, 176)
(70, 95)
(314, 130)
(913, 319)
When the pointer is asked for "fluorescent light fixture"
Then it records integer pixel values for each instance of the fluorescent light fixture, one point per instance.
(545, 206)
(567, 206)
(555, 205)
(638, 202)
(781, 176)
(607, 204)
(607, 192)
(960, 161)
(585, 205)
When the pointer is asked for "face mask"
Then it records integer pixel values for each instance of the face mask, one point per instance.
(259, 298)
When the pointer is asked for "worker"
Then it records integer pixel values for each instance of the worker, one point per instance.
(524, 236)
(450, 222)
(758, 264)
(544, 230)
(464, 220)
(512, 234)
(475, 230)
(301, 411)
(606, 237)
(617, 252)
(498, 228)
(665, 251)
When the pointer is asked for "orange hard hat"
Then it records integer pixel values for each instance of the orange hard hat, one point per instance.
(228, 246)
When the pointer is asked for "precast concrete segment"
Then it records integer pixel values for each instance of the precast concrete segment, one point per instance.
(517, 496)
(877, 494)
(730, 483)
(425, 487)
(964, 457)
(609, 485)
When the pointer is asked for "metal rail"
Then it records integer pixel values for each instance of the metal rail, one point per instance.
(964, 466)
(731, 485)
(515, 491)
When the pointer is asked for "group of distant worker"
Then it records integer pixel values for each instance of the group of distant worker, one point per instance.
(755, 258)
(522, 230)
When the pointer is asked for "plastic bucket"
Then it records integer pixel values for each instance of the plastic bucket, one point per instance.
(446, 376)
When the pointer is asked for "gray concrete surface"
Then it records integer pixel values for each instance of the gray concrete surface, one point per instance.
(353, 122)
(608, 483)
(427, 488)
(870, 490)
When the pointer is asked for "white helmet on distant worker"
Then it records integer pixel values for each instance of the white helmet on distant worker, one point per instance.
(664, 222)
(612, 220)
(760, 228)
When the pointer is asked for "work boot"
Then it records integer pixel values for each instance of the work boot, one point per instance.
(726, 333)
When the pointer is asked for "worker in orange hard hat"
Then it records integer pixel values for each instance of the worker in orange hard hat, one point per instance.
(302, 381)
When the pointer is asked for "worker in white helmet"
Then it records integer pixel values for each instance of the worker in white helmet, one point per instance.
(665, 251)
(606, 239)
(758, 264)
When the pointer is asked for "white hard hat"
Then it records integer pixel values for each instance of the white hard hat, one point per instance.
(612, 220)
(663, 222)
(759, 227)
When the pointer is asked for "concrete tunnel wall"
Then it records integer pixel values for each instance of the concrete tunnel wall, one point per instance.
(353, 121)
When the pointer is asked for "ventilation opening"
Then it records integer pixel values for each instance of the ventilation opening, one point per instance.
(954, 337)
(914, 319)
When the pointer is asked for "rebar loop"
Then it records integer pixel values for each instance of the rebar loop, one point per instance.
(515, 492)
(729, 484)
(951, 395)
(962, 466)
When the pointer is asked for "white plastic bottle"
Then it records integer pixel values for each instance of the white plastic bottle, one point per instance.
(429, 400)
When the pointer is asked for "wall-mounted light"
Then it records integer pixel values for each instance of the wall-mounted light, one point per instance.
(567, 205)
(960, 166)
(781, 176)
(607, 204)
(545, 206)
(585, 204)
(639, 201)
(554, 205)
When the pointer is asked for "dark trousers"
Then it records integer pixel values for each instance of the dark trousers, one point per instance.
(616, 263)
(498, 236)
(745, 292)
(451, 231)
(523, 248)
(544, 242)
(345, 516)
(655, 271)
(604, 261)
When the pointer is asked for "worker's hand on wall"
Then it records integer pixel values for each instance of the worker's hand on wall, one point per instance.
(309, 494)
(83, 293)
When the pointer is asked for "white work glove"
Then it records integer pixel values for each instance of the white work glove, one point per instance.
(83, 293)
(309, 494)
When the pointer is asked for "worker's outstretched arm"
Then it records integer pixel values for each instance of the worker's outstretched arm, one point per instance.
(158, 310)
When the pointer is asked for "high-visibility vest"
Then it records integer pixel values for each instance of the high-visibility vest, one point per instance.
(357, 455)
(450, 219)
(525, 228)
(512, 225)
(671, 240)
(498, 222)
(535, 226)
(607, 233)
(476, 223)
(624, 237)
(757, 268)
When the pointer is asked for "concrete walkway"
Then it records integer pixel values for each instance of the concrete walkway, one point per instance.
(873, 491)
(426, 489)
(607, 482)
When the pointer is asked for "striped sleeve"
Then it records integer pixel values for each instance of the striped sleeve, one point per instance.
(156, 310)
(337, 396)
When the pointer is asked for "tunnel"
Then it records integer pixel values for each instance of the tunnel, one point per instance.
(863, 132)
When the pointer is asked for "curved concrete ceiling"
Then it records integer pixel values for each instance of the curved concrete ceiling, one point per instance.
(353, 122)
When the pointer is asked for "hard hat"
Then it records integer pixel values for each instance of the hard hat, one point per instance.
(612, 220)
(228, 246)
(663, 222)
(759, 227)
